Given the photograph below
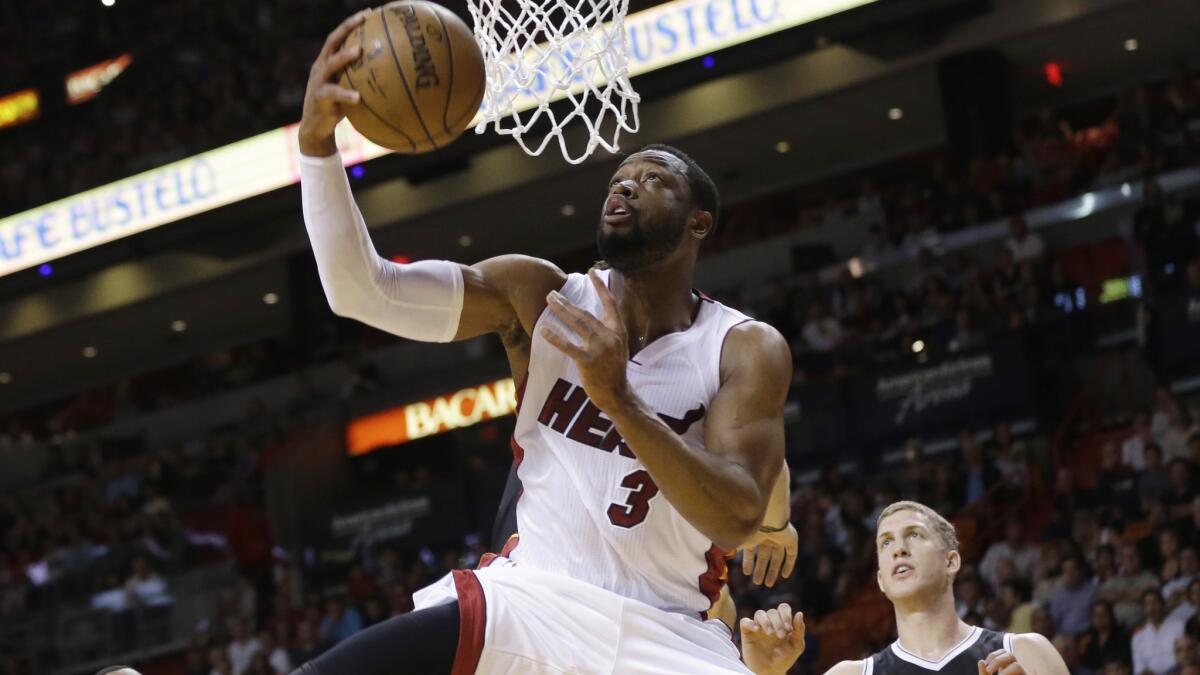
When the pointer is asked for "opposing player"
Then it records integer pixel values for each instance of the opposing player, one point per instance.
(918, 557)
(649, 437)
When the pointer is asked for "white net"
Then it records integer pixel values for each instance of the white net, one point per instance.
(541, 51)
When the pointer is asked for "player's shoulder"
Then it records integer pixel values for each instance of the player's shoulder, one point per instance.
(757, 346)
(517, 268)
(848, 668)
(1037, 654)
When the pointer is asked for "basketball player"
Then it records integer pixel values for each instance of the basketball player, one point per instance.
(918, 557)
(649, 437)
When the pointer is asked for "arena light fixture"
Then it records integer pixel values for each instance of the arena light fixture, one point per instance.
(1131, 45)
(271, 299)
(108, 3)
(5, 378)
(568, 210)
(90, 352)
(179, 325)
(783, 147)
(896, 114)
(918, 346)
(465, 241)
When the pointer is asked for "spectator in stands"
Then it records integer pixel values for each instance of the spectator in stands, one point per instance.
(1016, 596)
(308, 643)
(218, 662)
(1105, 566)
(1071, 604)
(1153, 645)
(1186, 606)
(822, 333)
(340, 621)
(1126, 590)
(1025, 246)
(981, 475)
(1023, 554)
(242, 647)
(1185, 652)
(1154, 482)
(145, 588)
(1178, 574)
(1105, 641)
(1133, 448)
(1116, 485)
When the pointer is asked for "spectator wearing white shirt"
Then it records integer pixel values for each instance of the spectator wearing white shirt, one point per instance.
(1026, 246)
(1133, 448)
(242, 647)
(1024, 555)
(822, 332)
(1175, 588)
(277, 656)
(1153, 645)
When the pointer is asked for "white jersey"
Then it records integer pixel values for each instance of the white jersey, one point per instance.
(589, 509)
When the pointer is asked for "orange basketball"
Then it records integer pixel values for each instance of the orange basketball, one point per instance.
(420, 76)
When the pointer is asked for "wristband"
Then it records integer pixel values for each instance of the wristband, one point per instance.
(771, 530)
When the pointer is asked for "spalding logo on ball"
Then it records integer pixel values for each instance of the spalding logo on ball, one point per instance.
(420, 77)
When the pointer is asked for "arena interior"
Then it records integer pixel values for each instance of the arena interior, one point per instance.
(975, 221)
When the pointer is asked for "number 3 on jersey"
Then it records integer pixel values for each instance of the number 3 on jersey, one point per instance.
(642, 489)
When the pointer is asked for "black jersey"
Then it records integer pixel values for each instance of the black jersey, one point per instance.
(963, 659)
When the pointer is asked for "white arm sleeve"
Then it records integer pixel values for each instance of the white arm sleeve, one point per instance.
(419, 301)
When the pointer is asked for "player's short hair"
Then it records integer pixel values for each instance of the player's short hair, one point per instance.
(941, 526)
(703, 189)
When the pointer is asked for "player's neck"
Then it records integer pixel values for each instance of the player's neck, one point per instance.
(930, 629)
(654, 302)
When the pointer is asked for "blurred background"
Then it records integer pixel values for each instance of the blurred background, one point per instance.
(975, 220)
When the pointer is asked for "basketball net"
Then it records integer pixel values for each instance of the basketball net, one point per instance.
(550, 50)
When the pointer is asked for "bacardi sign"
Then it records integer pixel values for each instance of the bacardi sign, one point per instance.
(456, 410)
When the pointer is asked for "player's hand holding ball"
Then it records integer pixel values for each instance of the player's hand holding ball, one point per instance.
(325, 101)
(772, 640)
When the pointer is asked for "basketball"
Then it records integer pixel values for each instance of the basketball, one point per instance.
(420, 76)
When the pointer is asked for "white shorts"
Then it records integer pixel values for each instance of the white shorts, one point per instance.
(528, 622)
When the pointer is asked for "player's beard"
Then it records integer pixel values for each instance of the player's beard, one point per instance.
(640, 245)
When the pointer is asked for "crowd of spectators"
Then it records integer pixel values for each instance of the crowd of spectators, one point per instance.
(1111, 574)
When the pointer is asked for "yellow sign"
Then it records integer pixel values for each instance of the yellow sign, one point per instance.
(19, 108)
(405, 423)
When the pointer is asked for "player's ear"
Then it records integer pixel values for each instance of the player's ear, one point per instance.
(700, 224)
(879, 581)
(953, 562)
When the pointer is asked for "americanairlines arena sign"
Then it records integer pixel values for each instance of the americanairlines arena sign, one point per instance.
(455, 410)
(658, 37)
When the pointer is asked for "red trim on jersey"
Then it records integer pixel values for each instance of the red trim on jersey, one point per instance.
(472, 619)
(521, 392)
(703, 297)
(714, 578)
(518, 451)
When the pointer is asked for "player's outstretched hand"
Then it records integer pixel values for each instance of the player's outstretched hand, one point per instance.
(1000, 662)
(772, 640)
(325, 100)
(602, 350)
(770, 555)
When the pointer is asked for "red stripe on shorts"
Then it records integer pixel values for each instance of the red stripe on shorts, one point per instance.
(472, 619)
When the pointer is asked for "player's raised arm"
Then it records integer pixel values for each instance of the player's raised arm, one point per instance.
(431, 300)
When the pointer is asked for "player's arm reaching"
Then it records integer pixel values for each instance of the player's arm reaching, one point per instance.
(432, 300)
(723, 489)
